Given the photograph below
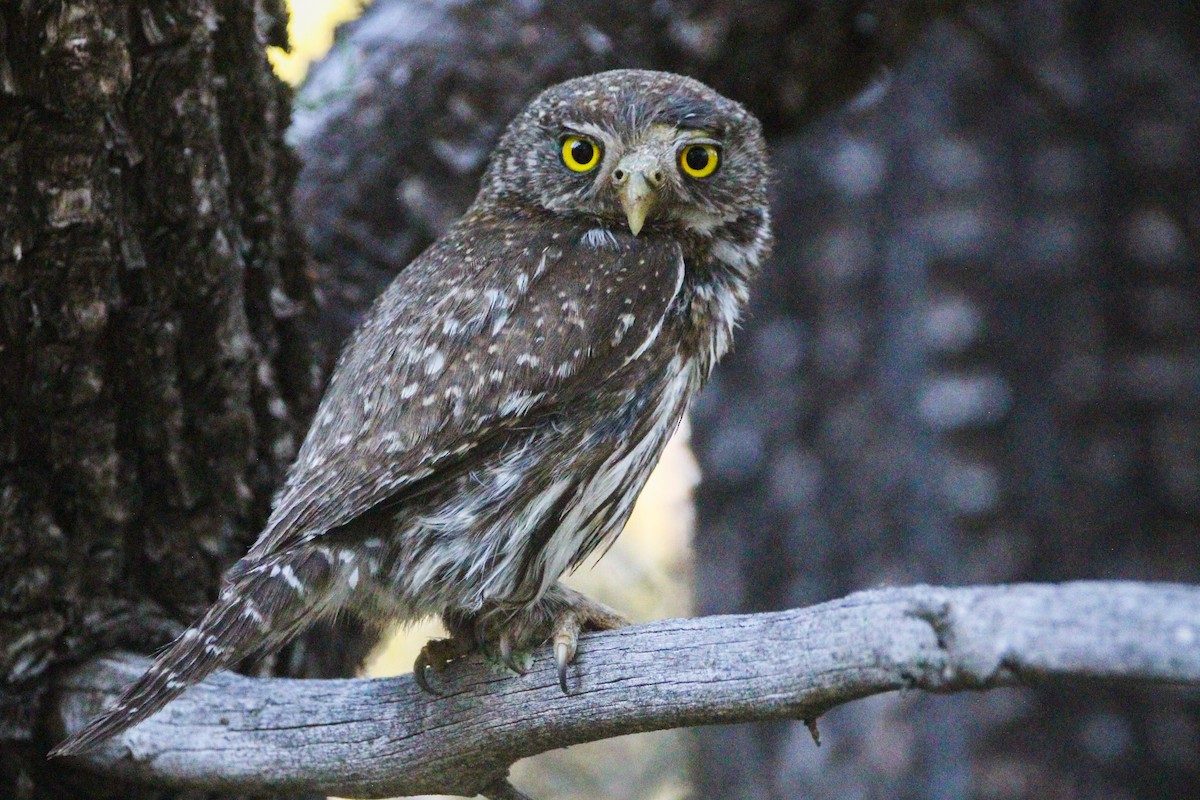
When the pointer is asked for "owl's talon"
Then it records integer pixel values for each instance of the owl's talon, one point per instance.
(564, 652)
(566, 642)
(434, 657)
(583, 614)
(422, 667)
(509, 658)
(421, 678)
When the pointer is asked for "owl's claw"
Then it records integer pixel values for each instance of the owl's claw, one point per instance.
(566, 640)
(583, 614)
(434, 656)
(419, 674)
(509, 635)
(509, 658)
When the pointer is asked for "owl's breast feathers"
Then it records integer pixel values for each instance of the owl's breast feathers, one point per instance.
(504, 367)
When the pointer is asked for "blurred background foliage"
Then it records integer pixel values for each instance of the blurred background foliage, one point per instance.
(975, 356)
(310, 33)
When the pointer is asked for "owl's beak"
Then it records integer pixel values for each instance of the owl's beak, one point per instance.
(637, 178)
(637, 200)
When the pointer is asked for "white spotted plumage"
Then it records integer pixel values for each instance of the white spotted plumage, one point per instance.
(497, 413)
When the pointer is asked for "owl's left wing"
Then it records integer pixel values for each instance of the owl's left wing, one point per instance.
(466, 346)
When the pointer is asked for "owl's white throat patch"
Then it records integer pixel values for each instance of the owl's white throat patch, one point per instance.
(699, 221)
(739, 256)
(599, 239)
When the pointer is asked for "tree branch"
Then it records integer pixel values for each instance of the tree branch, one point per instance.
(383, 737)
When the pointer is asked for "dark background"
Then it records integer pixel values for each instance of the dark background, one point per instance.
(974, 359)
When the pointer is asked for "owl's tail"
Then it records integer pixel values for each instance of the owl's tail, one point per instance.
(262, 605)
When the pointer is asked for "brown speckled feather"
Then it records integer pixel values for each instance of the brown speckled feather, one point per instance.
(456, 357)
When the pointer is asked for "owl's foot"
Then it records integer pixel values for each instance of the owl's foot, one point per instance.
(507, 635)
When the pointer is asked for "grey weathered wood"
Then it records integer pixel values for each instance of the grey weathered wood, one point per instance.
(383, 737)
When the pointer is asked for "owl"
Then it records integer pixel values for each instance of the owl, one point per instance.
(493, 419)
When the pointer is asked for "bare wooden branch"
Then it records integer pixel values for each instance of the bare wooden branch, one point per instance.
(383, 737)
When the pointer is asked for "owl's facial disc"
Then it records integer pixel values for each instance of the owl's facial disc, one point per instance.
(646, 178)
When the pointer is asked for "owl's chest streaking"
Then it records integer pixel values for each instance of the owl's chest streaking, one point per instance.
(505, 530)
(533, 388)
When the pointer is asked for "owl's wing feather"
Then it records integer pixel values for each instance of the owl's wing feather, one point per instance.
(479, 333)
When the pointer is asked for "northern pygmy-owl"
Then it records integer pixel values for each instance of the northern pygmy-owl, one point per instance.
(494, 418)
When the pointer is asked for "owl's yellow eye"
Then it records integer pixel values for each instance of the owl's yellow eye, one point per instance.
(579, 154)
(699, 160)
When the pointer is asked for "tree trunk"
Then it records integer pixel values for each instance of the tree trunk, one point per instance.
(155, 332)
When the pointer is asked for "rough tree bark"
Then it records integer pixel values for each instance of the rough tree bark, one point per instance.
(154, 372)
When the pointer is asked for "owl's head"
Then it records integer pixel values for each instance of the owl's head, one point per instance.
(632, 148)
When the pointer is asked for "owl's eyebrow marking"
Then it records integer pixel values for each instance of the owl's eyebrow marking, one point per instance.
(587, 129)
(701, 135)
(680, 137)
